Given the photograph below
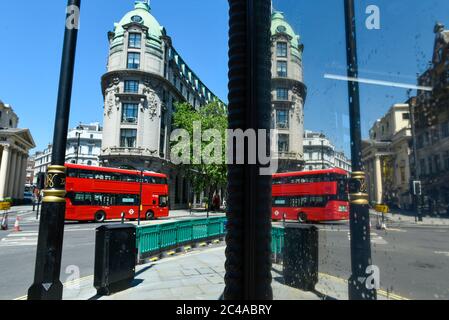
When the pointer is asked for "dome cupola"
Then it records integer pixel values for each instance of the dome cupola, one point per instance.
(280, 26)
(140, 15)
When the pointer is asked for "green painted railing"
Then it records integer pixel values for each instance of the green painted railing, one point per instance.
(277, 242)
(154, 239)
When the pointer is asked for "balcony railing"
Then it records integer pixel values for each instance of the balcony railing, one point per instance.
(129, 120)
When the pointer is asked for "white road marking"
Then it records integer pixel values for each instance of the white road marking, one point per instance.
(446, 253)
(19, 239)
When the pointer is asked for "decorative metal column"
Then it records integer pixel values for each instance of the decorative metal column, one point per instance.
(358, 287)
(248, 263)
(47, 285)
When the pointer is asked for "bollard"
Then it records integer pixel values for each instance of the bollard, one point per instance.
(301, 256)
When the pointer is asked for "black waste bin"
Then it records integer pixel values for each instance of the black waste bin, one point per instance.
(115, 258)
(301, 256)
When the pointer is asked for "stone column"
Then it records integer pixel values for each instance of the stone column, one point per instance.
(4, 170)
(16, 175)
(12, 174)
(21, 173)
(378, 180)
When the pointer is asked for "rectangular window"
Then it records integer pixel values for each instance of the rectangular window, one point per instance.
(128, 138)
(283, 143)
(130, 113)
(282, 69)
(446, 160)
(131, 86)
(282, 119)
(133, 60)
(445, 130)
(281, 49)
(135, 40)
(282, 94)
(406, 116)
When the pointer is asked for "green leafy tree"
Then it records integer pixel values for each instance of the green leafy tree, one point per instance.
(204, 175)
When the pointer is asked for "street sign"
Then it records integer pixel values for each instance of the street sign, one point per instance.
(382, 208)
(5, 205)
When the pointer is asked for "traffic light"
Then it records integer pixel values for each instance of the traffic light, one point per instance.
(41, 180)
(417, 190)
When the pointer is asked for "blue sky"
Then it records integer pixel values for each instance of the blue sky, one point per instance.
(31, 36)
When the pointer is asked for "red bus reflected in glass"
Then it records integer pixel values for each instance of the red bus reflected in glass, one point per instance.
(311, 196)
(99, 194)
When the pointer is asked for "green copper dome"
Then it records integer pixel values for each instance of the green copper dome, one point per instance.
(142, 15)
(279, 25)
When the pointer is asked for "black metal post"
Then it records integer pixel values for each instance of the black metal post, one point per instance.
(140, 197)
(47, 285)
(358, 287)
(248, 263)
(322, 155)
(78, 146)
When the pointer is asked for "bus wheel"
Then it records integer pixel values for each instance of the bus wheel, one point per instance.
(302, 217)
(149, 215)
(100, 217)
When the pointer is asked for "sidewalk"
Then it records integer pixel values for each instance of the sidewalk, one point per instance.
(199, 275)
(408, 218)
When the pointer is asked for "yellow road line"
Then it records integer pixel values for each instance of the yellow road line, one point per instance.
(380, 291)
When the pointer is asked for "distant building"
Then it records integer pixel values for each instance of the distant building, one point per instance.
(431, 114)
(42, 159)
(288, 93)
(386, 157)
(320, 153)
(84, 144)
(15, 144)
(29, 180)
(89, 137)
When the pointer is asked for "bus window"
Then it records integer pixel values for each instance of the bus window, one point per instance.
(163, 201)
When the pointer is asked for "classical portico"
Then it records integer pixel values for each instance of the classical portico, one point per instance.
(14, 146)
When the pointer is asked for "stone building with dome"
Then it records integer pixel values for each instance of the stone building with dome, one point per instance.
(288, 94)
(145, 77)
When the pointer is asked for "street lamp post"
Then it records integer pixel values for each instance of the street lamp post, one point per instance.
(78, 134)
(322, 155)
(358, 286)
(47, 285)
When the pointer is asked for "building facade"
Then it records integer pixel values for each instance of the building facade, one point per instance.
(145, 77)
(431, 115)
(288, 94)
(386, 157)
(84, 144)
(42, 159)
(29, 180)
(320, 153)
(15, 144)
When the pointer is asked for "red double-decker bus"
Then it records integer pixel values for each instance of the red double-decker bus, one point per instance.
(311, 196)
(99, 194)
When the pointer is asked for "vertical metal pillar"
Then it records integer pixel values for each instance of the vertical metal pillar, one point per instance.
(47, 285)
(358, 287)
(248, 253)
